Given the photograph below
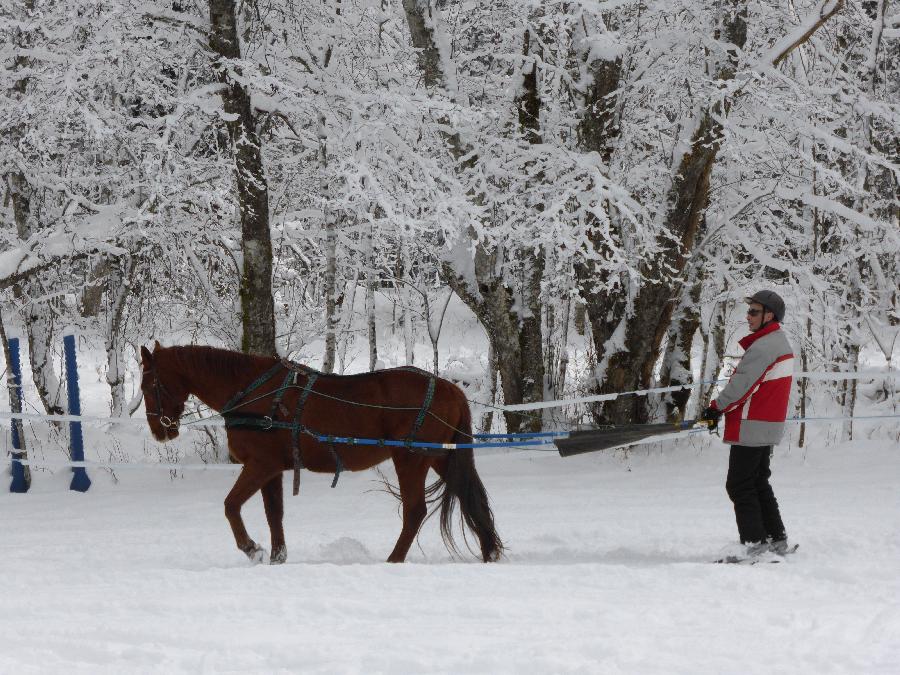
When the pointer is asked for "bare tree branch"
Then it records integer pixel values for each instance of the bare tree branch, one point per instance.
(815, 20)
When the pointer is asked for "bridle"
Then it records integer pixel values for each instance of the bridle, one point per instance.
(159, 390)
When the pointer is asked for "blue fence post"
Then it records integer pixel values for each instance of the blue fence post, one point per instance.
(20, 478)
(80, 480)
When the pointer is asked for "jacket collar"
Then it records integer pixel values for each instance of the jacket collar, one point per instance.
(748, 340)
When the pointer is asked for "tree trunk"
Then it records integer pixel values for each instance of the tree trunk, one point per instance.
(867, 182)
(849, 397)
(487, 419)
(257, 305)
(557, 352)
(435, 324)
(851, 335)
(516, 333)
(371, 280)
(94, 288)
(346, 320)
(602, 291)
(37, 315)
(421, 21)
(513, 323)
(330, 280)
(632, 367)
(676, 365)
(531, 335)
(332, 219)
(515, 340)
(39, 327)
(714, 353)
(804, 382)
(686, 201)
(407, 317)
(119, 287)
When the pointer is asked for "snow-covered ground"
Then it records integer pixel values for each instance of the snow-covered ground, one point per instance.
(607, 572)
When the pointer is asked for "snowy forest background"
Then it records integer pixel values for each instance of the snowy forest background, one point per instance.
(538, 200)
(615, 175)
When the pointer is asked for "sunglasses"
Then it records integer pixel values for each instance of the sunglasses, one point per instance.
(754, 312)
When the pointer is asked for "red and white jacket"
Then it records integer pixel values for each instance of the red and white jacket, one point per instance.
(755, 400)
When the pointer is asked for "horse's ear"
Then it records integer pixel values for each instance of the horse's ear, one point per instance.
(146, 356)
(156, 346)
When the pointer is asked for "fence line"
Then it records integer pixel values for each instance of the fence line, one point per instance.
(113, 421)
(518, 407)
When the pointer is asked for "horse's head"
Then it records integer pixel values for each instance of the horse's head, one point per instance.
(164, 393)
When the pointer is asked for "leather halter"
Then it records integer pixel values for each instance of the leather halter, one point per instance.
(159, 390)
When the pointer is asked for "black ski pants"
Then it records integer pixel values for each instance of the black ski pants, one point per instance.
(755, 507)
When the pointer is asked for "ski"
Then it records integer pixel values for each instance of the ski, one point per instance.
(745, 560)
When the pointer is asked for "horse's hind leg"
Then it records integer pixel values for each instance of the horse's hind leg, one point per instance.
(411, 472)
(273, 501)
(249, 481)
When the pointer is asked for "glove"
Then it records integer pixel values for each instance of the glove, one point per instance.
(711, 417)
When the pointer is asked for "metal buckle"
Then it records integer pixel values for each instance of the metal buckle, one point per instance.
(167, 422)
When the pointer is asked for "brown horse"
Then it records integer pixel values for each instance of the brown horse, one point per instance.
(386, 404)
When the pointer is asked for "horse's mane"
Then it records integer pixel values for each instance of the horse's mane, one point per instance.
(213, 359)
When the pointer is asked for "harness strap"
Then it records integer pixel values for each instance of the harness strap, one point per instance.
(258, 382)
(426, 404)
(279, 394)
(297, 427)
(338, 462)
(266, 423)
(261, 422)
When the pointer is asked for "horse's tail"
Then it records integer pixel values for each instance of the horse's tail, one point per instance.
(462, 483)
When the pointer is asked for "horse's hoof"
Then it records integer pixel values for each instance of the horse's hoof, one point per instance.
(256, 553)
(279, 556)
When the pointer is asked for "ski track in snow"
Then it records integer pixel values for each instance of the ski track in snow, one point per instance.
(607, 572)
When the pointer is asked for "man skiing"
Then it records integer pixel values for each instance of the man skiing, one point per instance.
(754, 403)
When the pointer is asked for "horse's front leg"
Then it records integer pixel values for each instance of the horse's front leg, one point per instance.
(249, 481)
(273, 501)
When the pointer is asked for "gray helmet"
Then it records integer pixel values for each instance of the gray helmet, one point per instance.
(771, 301)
